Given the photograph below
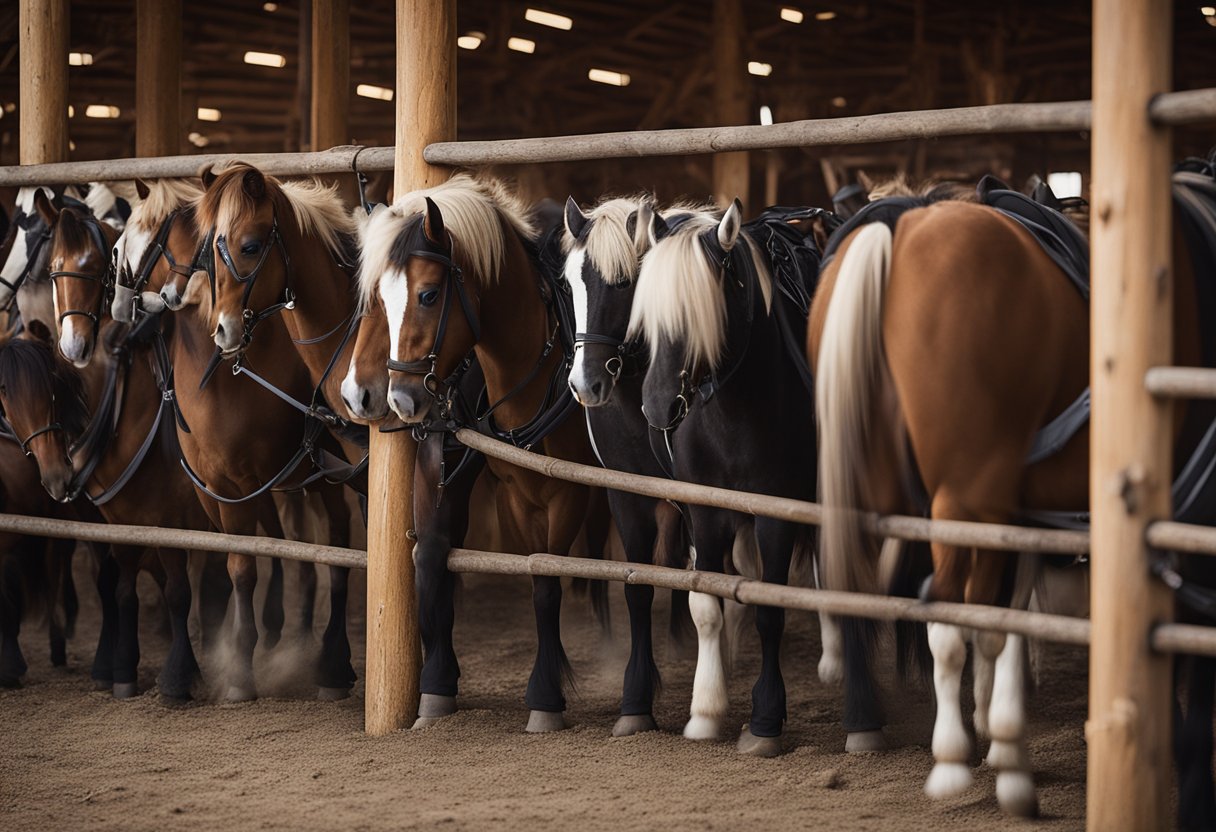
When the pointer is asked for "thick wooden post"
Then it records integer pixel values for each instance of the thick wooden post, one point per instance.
(1129, 727)
(43, 55)
(730, 98)
(426, 112)
(158, 77)
(330, 73)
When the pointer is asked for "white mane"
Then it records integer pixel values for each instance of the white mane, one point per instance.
(609, 245)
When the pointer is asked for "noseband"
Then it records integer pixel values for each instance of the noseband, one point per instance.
(103, 278)
(274, 239)
(453, 285)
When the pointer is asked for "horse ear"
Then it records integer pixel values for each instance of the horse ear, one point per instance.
(208, 175)
(432, 226)
(656, 229)
(42, 204)
(728, 229)
(576, 220)
(641, 226)
(141, 188)
(254, 183)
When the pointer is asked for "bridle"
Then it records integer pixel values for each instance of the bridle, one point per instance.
(274, 239)
(202, 260)
(454, 284)
(104, 277)
(24, 223)
(51, 427)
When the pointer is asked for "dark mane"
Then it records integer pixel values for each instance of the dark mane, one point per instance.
(31, 372)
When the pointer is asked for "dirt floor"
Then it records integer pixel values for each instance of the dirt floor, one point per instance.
(72, 757)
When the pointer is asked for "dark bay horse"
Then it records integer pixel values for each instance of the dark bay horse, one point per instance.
(727, 407)
(240, 435)
(604, 250)
(454, 270)
(944, 339)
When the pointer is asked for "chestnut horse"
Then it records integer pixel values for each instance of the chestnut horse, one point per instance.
(454, 271)
(240, 436)
(944, 337)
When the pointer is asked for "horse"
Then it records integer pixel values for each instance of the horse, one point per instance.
(604, 248)
(944, 339)
(162, 246)
(117, 458)
(722, 394)
(468, 245)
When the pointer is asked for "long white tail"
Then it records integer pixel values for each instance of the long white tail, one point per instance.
(847, 373)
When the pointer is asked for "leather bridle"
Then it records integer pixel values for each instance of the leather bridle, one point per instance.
(104, 277)
(274, 239)
(32, 252)
(202, 260)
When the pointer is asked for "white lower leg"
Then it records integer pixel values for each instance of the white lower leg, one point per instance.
(709, 682)
(831, 662)
(987, 648)
(1007, 721)
(951, 745)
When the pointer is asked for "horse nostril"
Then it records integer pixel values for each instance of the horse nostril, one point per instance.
(366, 401)
(219, 330)
(597, 388)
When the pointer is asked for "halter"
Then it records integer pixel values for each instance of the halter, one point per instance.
(453, 285)
(103, 278)
(274, 239)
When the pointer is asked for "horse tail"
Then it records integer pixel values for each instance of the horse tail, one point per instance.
(847, 374)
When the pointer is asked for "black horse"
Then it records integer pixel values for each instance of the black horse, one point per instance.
(604, 249)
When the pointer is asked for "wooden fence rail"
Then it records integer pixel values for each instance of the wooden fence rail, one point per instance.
(1181, 382)
(1175, 108)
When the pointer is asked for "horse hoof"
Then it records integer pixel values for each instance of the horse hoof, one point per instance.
(629, 724)
(755, 746)
(1015, 793)
(332, 694)
(434, 705)
(861, 741)
(542, 722)
(701, 728)
(948, 780)
(236, 693)
(125, 690)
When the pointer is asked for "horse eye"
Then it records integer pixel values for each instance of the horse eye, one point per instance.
(428, 297)
(250, 249)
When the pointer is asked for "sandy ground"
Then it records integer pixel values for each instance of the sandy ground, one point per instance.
(72, 757)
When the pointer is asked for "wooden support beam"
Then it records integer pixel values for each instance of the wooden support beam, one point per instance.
(44, 81)
(426, 112)
(330, 73)
(730, 97)
(1129, 726)
(158, 77)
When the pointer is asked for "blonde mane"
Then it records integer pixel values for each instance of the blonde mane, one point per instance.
(680, 295)
(609, 244)
(474, 212)
(164, 197)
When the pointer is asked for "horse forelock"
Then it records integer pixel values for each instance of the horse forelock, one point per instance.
(609, 242)
(164, 197)
(31, 371)
(680, 298)
(476, 214)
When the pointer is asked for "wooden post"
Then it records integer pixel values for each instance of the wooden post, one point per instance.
(158, 77)
(43, 48)
(730, 98)
(1129, 727)
(426, 112)
(330, 73)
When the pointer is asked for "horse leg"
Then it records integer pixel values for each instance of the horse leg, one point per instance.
(709, 699)
(1193, 744)
(745, 554)
(634, 517)
(988, 646)
(335, 676)
(439, 518)
(180, 668)
(107, 584)
(214, 590)
(272, 607)
(241, 518)
(671, 549)
(762, 736)
(58, 561)
(12, 609)
(126, 634)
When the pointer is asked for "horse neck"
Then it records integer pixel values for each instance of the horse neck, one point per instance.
(138, 402)
(514, 327)
(323, 302)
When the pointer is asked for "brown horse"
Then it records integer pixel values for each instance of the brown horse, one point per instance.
(452, 270)
(241, 436)
(944, 338)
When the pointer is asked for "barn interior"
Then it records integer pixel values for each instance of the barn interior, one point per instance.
(560, 67)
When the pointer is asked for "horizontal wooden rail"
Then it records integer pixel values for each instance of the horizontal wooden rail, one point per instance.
(1063, 629)
(1181, 382)
(1175, 108)
(954, 532)
(183, 539)
(1170, 536)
